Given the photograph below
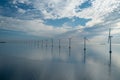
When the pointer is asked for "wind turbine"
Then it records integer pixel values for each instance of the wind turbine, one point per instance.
(59, 46)
(110, 46)
(38, 42)
(69, 45)
(42, 44)
(85, 39)
(46, 43)
(52, 42)
(59, 43)
(110, 50)
(52, 46)
(109, 41)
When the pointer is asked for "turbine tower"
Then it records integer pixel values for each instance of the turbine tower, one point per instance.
(110, 50)
(52, 46)
(46, 43)
(52, 43)
(109, 41)
(42, 44)
(59, 46)
(85, 39)
(69, 46)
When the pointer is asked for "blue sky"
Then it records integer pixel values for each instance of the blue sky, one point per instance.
(51, 18)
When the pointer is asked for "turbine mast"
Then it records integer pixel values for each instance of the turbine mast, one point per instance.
(85, 49)
(110, 50)
(59, 43)
(52, 43)
(84, 43)
(70, 46)
(110, 41)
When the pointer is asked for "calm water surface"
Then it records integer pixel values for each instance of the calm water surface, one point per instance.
(32, 61)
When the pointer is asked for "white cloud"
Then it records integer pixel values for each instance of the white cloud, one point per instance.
(33, 27)
(116, 28)
(66, 8)
(118, 24)
(21, 10)
(57, 8)
(21, 1)
(60, 9)
(99, 10)
(93, 22)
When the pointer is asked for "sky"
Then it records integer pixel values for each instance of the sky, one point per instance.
(27, 19)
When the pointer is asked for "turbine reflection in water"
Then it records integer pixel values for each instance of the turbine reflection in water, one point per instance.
(57, 68)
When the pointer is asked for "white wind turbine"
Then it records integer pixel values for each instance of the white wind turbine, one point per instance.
(110, 49)
(110, 41)
(85, 39)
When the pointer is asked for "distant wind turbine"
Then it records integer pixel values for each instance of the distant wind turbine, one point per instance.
(52, 42)
(42, 44)
(109, 41)
(59, 46)
(69, 45)
(70, 42)
(59, 43)
(52, 46)
(46, 43)
(85, 39)
(110, 50)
